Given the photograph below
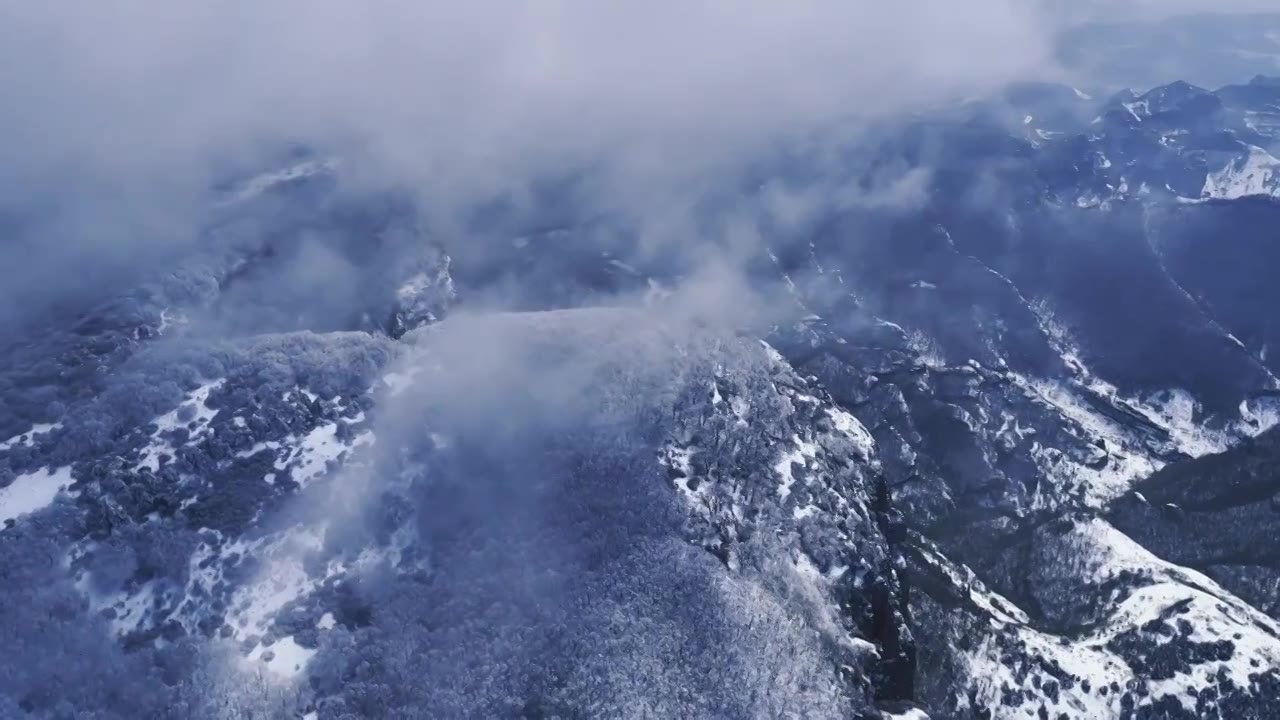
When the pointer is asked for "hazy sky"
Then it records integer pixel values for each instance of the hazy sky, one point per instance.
(118, 113)
(458, 94)
(1128, 10)
(451, 93)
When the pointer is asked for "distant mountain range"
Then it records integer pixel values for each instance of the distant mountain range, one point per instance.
(1000, 447)
(1204, 49)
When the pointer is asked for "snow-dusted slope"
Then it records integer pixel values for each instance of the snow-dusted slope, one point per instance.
(1125, 633)
(1257, 173)
(1002, 455)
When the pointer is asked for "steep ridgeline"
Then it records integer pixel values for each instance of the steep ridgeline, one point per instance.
(330, 508)
(1005, 454)
(531, 514)
(1069, 313)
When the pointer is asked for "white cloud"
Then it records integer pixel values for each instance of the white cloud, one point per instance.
(117, 114)
(466, 95)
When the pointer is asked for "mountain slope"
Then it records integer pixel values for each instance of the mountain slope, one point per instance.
(997, 450)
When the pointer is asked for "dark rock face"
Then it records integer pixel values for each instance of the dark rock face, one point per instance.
(1003, 450)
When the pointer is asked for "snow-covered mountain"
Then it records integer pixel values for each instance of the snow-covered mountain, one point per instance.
(1001, 449)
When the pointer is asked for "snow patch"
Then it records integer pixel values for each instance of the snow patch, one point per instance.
(1103, 556)
(285, 658)
(29, 437)
(1258, 173)
(1129, 460)
(800, 454)
(692, 490)
(1138, 110)
(317, 449)
(283, 580)
(201, 414)
(1212, 613)
(773, 354)
(853, 429)
(32, 492)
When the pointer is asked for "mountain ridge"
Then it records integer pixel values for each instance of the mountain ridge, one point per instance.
(954, 466)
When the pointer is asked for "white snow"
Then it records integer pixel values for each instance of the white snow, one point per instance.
(678, 458)
(252, 608)
(1081, 95)
(1258, 173)
(311, 457)
(962, 578)
(1213, 613)
(800, 513)
(926, 350)
(909, 714)
(1129, 459)
(1101, 554)
(1172, 410)
(257, 448)
(798, 454)
(168, 319)
(773, 354)
(888, 324)
(32, 491)
(201, 416)
(849, 425)
(282, 580)
(991, 674)
(28, 437)
(1138, 110)
(287, 657)
(1259, 415)
(132, 609)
